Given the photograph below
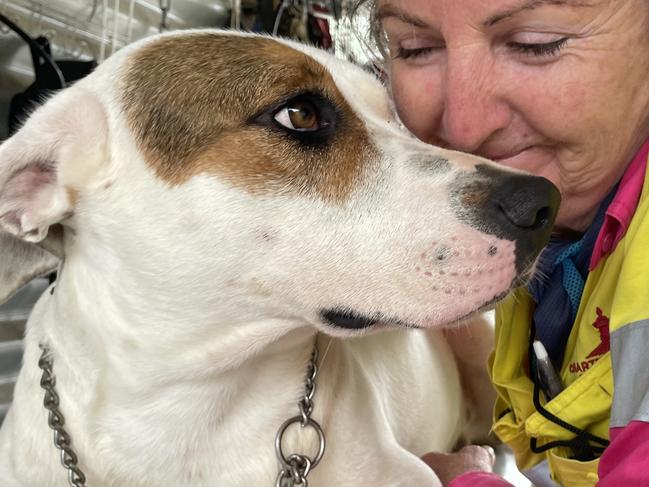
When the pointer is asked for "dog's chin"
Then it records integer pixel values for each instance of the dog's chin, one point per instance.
(488, 306)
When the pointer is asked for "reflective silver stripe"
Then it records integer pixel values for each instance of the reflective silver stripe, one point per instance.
(539, 475)
(629, 353)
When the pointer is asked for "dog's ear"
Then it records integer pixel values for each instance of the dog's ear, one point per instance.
(21, 262)
(43, 167)
(46, 163)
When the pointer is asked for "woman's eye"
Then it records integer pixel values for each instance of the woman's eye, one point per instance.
(415, 48)
(539, 49)
(299, 115)
(403, 53)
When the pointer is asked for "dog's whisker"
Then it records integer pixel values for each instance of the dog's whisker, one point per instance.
(324, 355)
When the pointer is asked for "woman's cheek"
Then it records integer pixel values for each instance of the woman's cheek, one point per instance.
(417, 101)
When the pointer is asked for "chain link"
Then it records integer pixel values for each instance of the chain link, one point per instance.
(296, 467)
(56, 421)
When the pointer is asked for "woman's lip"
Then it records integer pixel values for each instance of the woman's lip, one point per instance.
(509, 155)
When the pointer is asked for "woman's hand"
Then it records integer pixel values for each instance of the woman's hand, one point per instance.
(471, 458)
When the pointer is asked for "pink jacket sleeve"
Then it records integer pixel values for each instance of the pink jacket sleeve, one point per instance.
(626, 460)
(479, 479)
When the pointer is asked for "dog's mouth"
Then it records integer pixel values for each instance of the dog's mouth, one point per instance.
(351, 320)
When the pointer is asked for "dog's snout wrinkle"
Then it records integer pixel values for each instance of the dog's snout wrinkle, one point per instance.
(431, 164)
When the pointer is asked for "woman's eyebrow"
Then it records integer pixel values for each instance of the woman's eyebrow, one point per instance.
(389, 10)
(531, 5)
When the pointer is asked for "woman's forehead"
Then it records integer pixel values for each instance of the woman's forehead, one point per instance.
(423, 13)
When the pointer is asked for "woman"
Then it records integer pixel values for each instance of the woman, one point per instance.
(559, 88)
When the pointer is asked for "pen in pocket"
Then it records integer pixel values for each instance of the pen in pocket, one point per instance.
(549, 381)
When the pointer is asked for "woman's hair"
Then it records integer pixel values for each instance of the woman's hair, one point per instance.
(365, 25)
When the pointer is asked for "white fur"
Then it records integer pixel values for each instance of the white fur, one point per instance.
(184, 317)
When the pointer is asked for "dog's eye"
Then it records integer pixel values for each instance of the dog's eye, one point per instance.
(300, 115)
(308, 118)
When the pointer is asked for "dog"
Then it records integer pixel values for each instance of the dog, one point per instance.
(217, 204)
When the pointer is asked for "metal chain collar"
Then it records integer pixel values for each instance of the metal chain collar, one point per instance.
(296, 467)
(55, 419)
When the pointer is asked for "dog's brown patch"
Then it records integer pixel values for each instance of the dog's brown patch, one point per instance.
(189, 100)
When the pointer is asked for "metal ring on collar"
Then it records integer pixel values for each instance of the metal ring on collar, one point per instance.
(280, 435)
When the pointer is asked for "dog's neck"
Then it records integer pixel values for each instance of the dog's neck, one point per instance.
(141, 315)
(130, 381)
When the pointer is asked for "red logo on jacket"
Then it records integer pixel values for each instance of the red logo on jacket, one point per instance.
(601, 325)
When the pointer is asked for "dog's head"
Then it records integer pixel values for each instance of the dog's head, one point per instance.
(260, 178)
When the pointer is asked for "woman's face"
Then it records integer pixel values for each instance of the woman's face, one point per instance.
(559, 88)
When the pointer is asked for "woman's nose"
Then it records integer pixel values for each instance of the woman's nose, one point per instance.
(475, 108)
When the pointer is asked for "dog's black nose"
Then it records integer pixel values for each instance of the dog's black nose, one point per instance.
(511, 206)
(527, 202)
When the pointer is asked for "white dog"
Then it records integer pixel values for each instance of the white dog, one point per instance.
(221, 202)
